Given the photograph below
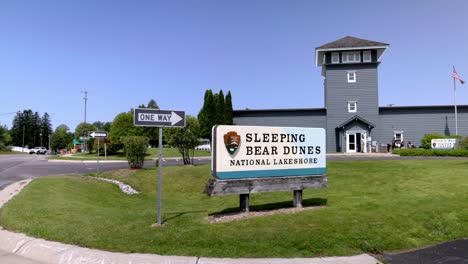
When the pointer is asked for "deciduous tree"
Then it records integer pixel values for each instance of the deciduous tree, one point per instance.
(184, 139)
(61, 137)
(82, 130)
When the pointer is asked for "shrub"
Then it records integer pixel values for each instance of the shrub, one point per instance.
(135, 150)
(113, 147)
(426, 140)
(463, 143)
(432, 152)
(4, 148)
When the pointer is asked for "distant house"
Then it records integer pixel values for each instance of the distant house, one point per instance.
(353, 120)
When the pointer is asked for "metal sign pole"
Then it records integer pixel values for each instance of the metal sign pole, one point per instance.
(160, 176)
(98, 139)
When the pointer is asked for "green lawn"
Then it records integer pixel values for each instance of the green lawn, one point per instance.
(151, 153)
(6, 152)
(371, 206)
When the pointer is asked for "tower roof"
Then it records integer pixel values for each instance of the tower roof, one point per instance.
(351, 42)
(348, 44)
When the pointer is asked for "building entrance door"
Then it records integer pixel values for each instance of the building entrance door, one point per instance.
(356, 142)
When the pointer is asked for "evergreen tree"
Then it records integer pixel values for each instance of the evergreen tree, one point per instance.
(219, 108)
(30, 126)
(35, 123)
(152, 104)
(4, 137)
(16, 131)
(228, 115)
(25, 126)
(45, 130)
(206, 117)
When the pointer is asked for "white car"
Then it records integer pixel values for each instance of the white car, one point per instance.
(38, 150)
(203, 147)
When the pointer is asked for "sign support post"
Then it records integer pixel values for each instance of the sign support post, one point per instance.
(160, 176)
(147, 117)
(98, 135)
(98, 139)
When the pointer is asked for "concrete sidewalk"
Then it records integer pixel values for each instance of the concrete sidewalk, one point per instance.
(19, 248)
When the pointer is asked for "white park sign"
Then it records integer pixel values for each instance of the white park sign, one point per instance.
(257, 152)
(443, 143)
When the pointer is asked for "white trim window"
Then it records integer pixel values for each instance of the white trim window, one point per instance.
(352, 106)
(335, 57)
(366, 56)
(397, 139)
(398, 135)
(351, 76)
(351, 57)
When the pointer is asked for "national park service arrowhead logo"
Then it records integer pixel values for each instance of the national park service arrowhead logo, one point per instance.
(232, 141)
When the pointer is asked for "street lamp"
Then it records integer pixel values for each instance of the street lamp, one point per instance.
(40, 134)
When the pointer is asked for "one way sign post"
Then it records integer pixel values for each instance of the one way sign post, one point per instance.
(147, 117)
(98, 135)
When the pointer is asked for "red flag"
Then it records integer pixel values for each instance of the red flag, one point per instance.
(456, 76)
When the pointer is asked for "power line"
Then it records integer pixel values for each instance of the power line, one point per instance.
(9, 113)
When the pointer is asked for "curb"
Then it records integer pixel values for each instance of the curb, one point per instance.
(77, 160)
(87, 161)
(51, 252)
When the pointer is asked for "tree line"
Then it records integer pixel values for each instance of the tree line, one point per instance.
(216, 110)
(30, 129)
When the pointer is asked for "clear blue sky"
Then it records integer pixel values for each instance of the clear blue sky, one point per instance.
(127, 52)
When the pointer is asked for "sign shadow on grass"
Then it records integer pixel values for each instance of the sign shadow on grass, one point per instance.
(274, 206)
(179, 214)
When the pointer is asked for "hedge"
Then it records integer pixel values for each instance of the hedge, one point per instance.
(432, 152)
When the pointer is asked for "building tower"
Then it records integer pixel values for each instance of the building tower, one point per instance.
(349, 66)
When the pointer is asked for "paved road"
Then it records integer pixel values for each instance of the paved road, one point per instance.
(14, 168)
(454, 252)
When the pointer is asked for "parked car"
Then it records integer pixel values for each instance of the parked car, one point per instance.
(38, 150)
(203, 147)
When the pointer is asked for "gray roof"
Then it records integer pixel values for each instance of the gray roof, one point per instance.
(279, 110)
(356, 118)
(351, 42)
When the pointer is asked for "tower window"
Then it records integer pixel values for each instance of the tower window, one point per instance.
(350, 57)
(366, 56)
(352, 107)
(335, 57)
(351, 77)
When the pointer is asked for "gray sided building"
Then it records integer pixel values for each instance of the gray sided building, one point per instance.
(353, 120)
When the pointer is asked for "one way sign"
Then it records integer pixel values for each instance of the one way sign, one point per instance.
(158, 118)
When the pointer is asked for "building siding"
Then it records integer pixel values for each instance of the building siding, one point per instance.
(282, 118)
(339, 92)
(415, 122)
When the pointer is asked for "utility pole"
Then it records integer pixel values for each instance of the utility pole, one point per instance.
(85, 104)
(23, 138)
